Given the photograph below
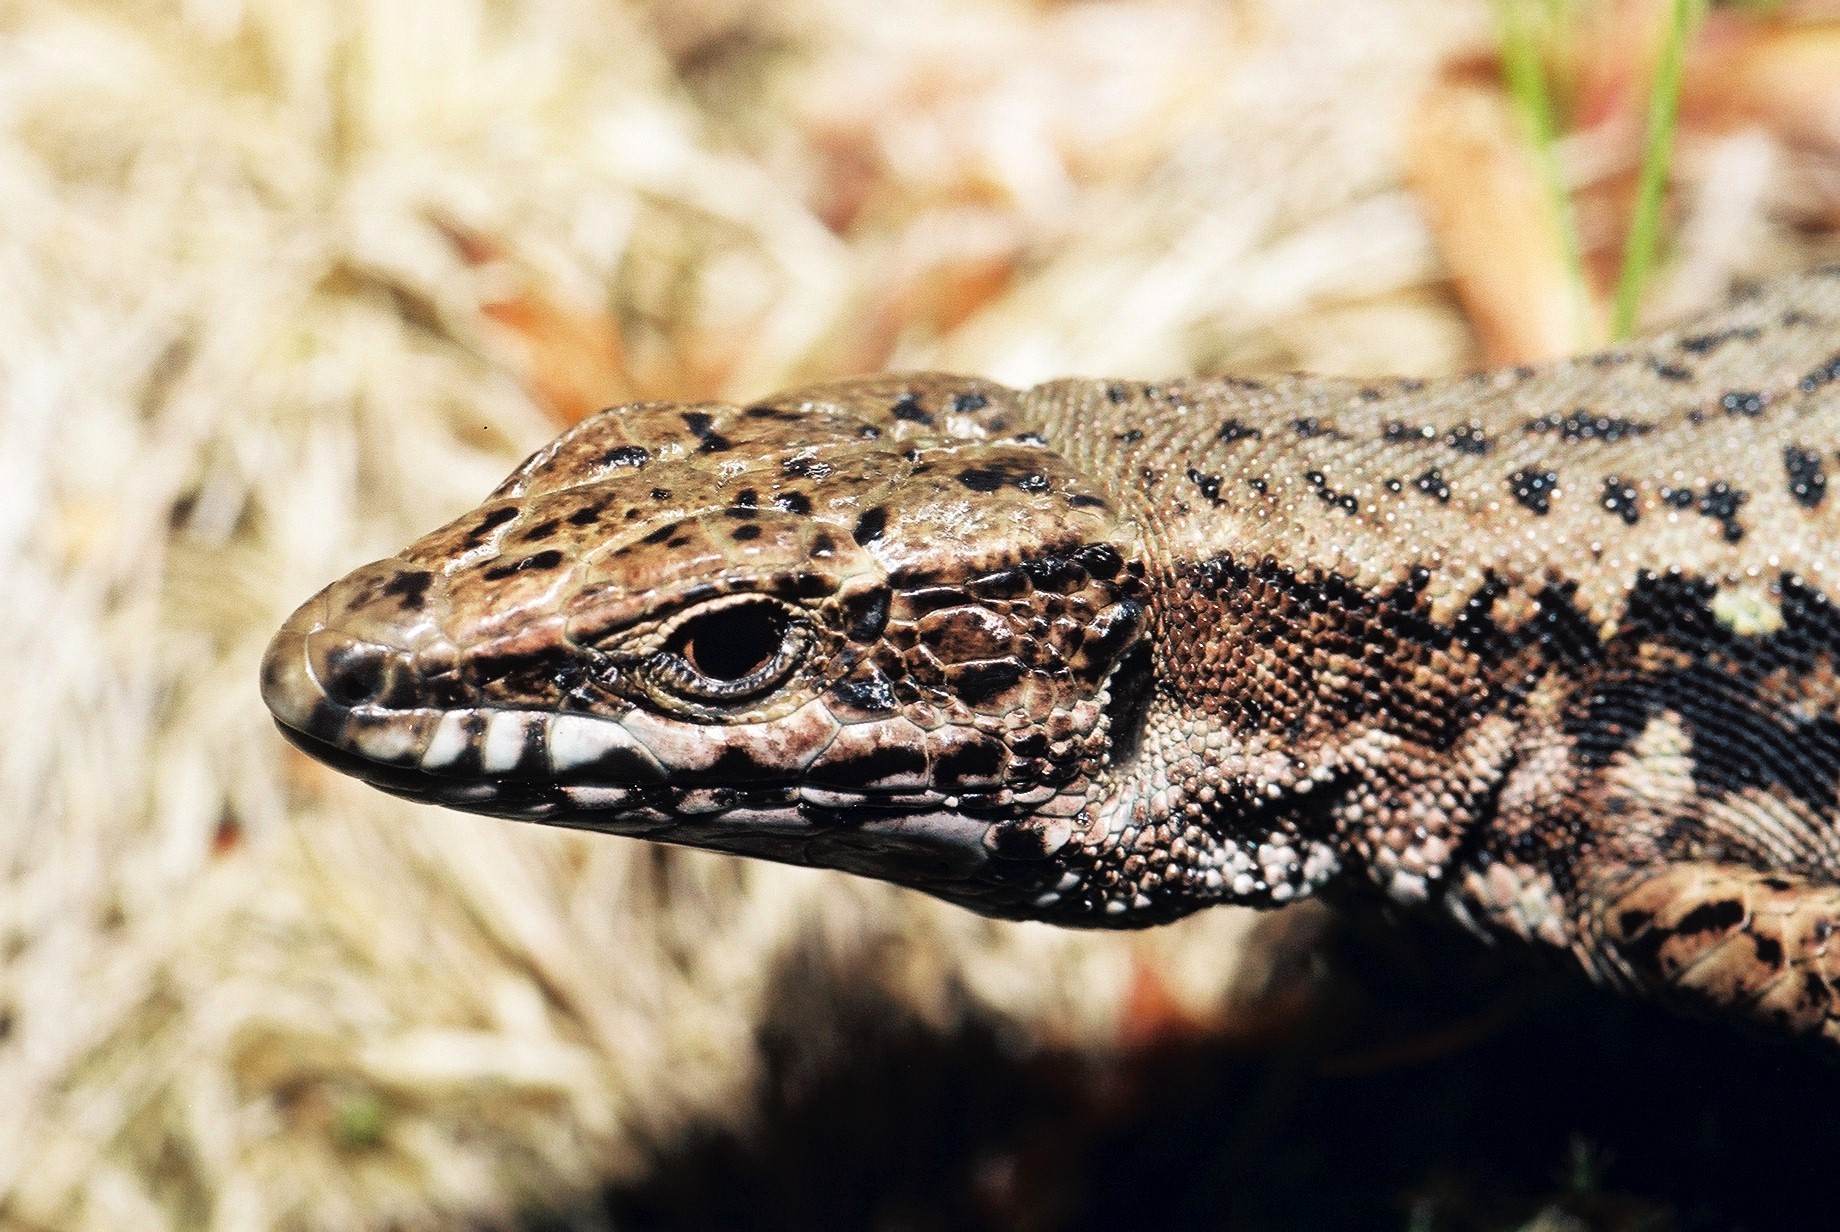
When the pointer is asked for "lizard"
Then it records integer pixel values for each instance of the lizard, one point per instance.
(1554, 650)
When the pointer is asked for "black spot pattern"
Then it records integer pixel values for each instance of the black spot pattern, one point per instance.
(1329, 496)
(1377, 637)
(1586, 425)
(1721, 503)
(588, 515)
(1468, 439)
(1101, 560)
(1432, 484)
(1423, 658)
(990, 478)
(491, 522)
(1826, 374)
(1705, 344)
(1746, 402)
(1620, 499)
(870, 526)
(548, 559)
(1534, 489)
(908, 407)
(1769, 950)
(1209, 485)
(1714, 917)
(701, 425)
(1807, 478)
(410, 588)
(1397, 431)
(627, 455)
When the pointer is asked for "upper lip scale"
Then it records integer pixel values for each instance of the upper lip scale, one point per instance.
(426, 784)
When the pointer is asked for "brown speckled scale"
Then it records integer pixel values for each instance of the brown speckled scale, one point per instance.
(1555, 649)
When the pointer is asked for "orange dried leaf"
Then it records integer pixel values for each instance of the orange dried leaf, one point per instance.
(1783, 78)
(1470, 164)
(574, 360)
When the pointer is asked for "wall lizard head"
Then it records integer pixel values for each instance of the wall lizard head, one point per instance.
(872, 629)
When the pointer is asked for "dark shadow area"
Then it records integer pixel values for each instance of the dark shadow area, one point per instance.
(1434, 1083)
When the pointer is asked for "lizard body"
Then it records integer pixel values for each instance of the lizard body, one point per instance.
(1553, 648)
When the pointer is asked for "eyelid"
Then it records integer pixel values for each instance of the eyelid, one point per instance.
(671, 673)
(710, 607)
(641, 641)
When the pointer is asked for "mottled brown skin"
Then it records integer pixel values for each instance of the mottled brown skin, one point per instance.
(1554, 648)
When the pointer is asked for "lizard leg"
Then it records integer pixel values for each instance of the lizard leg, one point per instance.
(1760, 945)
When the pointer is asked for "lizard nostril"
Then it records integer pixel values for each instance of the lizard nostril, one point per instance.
(353, 673)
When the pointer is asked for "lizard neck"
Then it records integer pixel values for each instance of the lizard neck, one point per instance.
(1282, 731)
(1368, 601)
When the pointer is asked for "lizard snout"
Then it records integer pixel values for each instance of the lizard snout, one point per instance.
(351, 667)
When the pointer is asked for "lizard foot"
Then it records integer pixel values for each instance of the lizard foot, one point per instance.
(1758, 944)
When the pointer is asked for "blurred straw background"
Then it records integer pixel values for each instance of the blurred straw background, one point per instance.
(286, 282)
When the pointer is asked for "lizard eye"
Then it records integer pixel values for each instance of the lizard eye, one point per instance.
(727, 652)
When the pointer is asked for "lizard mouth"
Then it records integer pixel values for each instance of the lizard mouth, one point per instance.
(876, 834)
(522, 794)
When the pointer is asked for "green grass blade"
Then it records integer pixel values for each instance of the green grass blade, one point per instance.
(1657, 156)
(1524, 69)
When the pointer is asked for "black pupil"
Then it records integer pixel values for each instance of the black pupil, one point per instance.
(734, 642)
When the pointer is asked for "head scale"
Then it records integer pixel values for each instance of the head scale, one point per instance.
(867, 627)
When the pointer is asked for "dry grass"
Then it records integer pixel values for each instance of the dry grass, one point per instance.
(288, 281)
